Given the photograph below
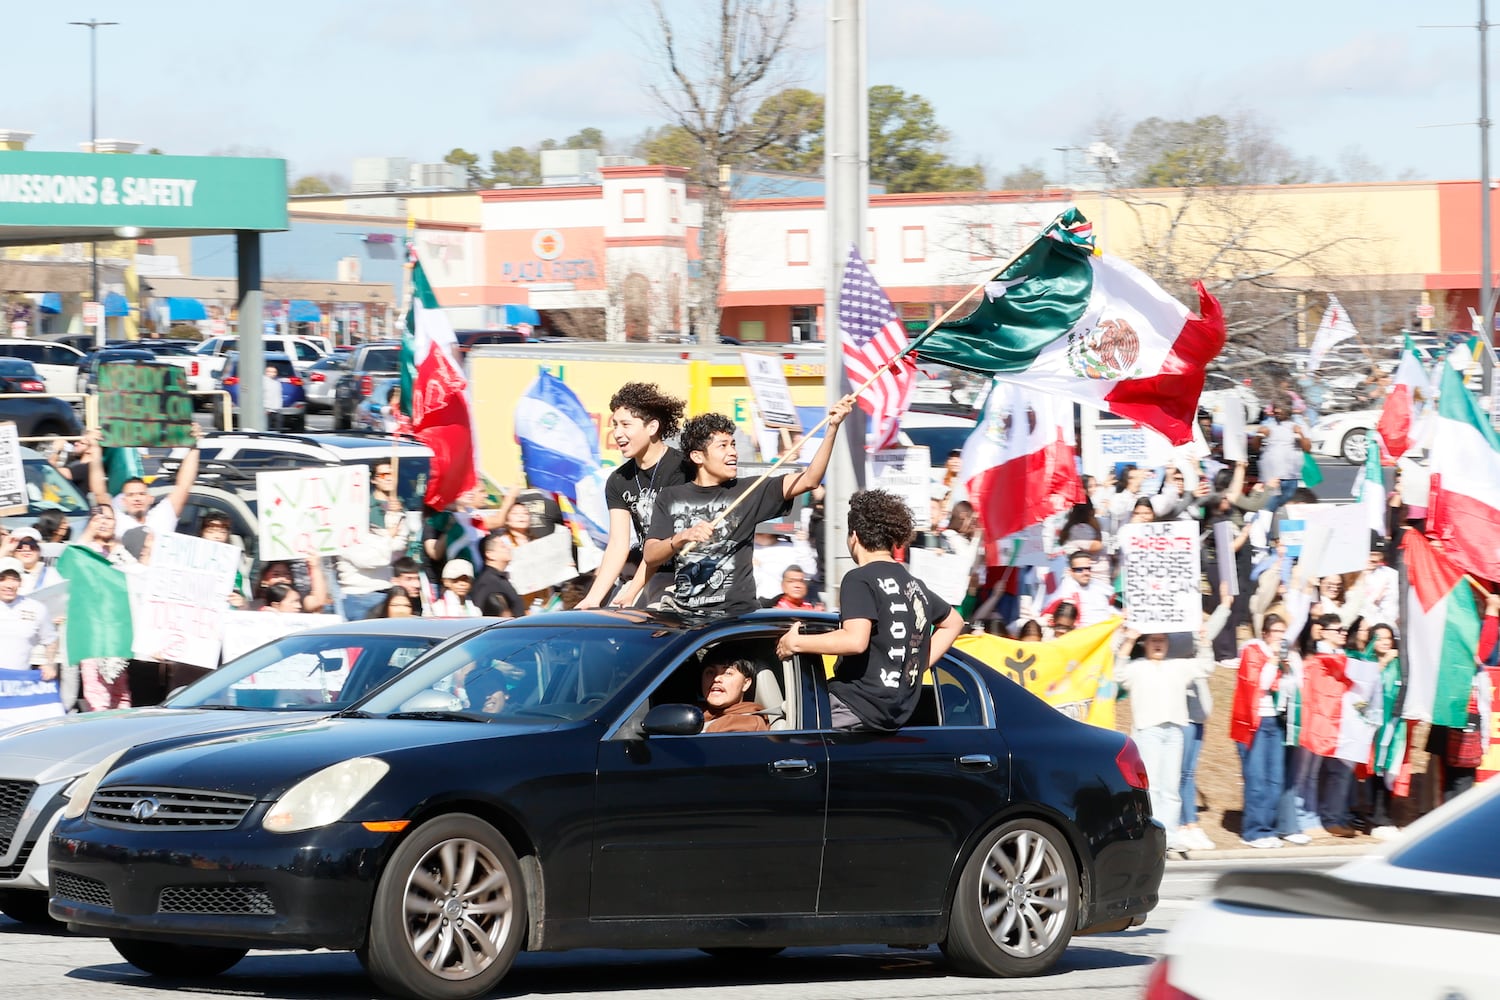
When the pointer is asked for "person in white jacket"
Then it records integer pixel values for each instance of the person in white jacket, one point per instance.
(365, 568)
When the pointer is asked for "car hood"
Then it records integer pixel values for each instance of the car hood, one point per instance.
(68, 746)
(267, 762)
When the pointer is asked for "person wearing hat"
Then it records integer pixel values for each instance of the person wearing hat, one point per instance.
(27, 547)
(458, 581)
(26, 693)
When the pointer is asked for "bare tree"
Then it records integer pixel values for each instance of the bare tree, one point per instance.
(714, 77)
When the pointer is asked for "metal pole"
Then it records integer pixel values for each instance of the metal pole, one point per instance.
(1486, 301)
(94, 25)
(251, 332)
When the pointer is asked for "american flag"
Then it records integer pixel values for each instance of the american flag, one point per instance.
(872, 336)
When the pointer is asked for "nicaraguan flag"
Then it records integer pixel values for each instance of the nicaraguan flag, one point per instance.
(559, 440)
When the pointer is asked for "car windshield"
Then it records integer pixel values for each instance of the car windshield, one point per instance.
(48, 489)
(307, 670)
(1463, 846)
(523, 671)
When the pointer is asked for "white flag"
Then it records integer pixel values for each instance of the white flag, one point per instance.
(1335, 328)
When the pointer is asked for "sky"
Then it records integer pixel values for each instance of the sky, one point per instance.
(321, 82)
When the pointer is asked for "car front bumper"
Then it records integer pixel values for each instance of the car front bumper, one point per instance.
(244, 887)
(23, 864)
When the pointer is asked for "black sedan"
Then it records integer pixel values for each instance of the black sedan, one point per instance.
(546, 784)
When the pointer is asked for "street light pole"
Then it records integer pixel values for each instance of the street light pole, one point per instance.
(1486, 301)
(93, 25)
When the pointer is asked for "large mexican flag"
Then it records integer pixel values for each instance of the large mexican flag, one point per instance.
(1463, 508)
(1065, 320)
(1442, 635)
(435, 392)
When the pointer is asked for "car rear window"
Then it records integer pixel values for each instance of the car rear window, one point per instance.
(384, 360)
(1463, 846)
(15, 367)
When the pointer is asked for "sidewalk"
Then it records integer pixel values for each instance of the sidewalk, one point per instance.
(1290, 851)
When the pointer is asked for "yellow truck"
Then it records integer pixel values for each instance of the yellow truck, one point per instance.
(707, 378)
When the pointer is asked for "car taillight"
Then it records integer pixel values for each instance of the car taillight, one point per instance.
(231, 380)
(193, 368)
(294, 380)
(32, 385)
(1157, 987)
(366, 385)
(316, 377)
(1132, 766)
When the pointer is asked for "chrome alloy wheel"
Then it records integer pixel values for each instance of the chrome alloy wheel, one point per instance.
(459, 908)
(1023, 893)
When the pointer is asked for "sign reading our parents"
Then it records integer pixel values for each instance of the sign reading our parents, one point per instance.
(1161, 576)
(318, 511)
(144, 405)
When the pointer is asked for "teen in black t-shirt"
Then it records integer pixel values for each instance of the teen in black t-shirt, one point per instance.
(715, 575)
(641, 417)
(891, 629)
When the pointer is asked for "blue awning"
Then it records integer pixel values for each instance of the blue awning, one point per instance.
(303, 311)
(185, 310)
(51, 303)
(116, 304)
(516, 315)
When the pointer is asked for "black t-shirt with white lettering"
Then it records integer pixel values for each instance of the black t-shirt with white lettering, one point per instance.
(882, 684)
(718, 575)
(633, 489)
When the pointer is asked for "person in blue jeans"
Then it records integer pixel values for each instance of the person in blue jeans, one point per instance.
(1266, 681)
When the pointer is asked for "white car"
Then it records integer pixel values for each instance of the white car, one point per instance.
(1416, 919)
(304, 352)
(57, 364)
(1344, 435)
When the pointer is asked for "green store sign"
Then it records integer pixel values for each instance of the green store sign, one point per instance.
(109, 191)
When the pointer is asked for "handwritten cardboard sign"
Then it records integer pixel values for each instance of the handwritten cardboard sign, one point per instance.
(773, 398)
(179, 599)
(12, 472)
(906, 472)
(321, 510)
(543, 562)
(1161, 576)
(144, 405)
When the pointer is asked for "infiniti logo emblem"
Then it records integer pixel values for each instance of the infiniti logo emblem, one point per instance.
(144, 808)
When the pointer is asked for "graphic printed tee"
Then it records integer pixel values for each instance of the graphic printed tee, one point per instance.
(633, 489)
(882, 684)
(717, 576)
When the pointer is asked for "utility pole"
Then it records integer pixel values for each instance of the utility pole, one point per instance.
(93, 25)
(1487, 295)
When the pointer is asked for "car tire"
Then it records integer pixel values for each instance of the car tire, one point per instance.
(27, 907)
(177, 961)
(1354, 446)
(410, 933)
(1016, 903)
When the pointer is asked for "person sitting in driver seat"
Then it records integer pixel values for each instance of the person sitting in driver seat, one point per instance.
(726, 686)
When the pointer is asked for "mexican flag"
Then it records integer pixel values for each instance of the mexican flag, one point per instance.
(1442, 635)
(1066, 321)
(1463, 507)
(1018, 465)
(1369, 490)
(1394, 425)
(434, 392)
(105, 629)
(1335, 328)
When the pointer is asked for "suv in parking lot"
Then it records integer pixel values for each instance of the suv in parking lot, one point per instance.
(367, 364)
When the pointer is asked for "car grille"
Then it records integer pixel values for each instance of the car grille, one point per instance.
(80, 889)
(14, 870)
(127, 808)
(13, 798)
(252, 899)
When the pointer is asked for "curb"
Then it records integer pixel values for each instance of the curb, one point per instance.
(1309, 852)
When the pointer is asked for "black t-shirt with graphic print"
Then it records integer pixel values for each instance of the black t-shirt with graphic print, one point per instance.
(883, 684)
(716, 576)
(633, 489)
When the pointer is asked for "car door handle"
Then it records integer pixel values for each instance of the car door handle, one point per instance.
(793, 767)
(977, 762)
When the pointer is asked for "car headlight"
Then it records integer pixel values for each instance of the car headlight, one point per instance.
(324, 797)
(82, 789)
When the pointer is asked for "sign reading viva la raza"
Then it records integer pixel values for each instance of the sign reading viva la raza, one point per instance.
(1161, 576)
(320, 511)
(144, 405)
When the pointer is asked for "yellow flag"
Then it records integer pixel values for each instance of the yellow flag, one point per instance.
(1075, 674)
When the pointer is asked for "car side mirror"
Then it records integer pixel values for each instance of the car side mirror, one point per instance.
(673, 720)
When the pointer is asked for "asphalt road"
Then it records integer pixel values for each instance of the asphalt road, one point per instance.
(1102, 967)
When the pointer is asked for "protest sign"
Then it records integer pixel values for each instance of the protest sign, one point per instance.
(1335, 538)
(542, 562)
(1224, 558)
(946, 573)
(1232, 420)
(143, 404)
(321, 510)
(1073, 673)
(12, 472)
(1161, 576)
(179, 599)
(773, 398)
(246, 630)
(906, 472)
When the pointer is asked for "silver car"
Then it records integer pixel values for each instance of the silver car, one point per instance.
(318, 381)
(302, 676)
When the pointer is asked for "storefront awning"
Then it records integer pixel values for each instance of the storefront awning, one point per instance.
(116, 304)
(303, 311)
(51, 303)
(185, 310)
(516, 315)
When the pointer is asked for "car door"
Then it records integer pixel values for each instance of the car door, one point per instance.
(901, 805)
(716, 824)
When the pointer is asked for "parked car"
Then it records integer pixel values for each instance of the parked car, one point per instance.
(47, 489)
(546, 783)
(88, 377)
(289, 412)
(1344, 435)
(38, 416)
(1417, 918)
(213, 352)
(293, 678)
(57, 364)
(318, 381)
(20, 376)
(367, 362)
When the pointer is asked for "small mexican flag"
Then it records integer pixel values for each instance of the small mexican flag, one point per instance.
(105, 629)
(1442, 635)
(1463, 507)
(1067, 321)
(435, 393)
(1395, 416)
